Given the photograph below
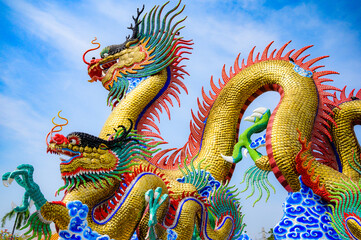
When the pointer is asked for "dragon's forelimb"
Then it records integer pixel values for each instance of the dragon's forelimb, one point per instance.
(155, 201)
(23, 175)
(260, 118)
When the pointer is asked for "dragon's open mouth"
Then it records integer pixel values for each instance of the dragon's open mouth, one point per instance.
(65, 151)
(100, 70)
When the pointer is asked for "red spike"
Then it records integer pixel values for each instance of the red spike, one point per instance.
(175, 95)
(231, 74)
(173, 155)
(272, 53)
(221, 83)
(302, 59)
(201, 109)
(313, 69)
(213, 96)
(243, 66)
(180, 83)
(206, 99)
(287, 56)
(279, 53)
(103, 213)
(166, 97)
(343, 93)
(299, 52)
(160, 154)
(312, 61)
(358, 94)
(328, 87)
(166, 108)
(152, 135)
(214, 87)
(324, 131)
(257, 58)
(196, 120)
(351, 93)
(323, 73)
(322, 80)
(250, 57)
(224, 74)
(236, 64)
(155, 113)
(150, 123)
(265, 51)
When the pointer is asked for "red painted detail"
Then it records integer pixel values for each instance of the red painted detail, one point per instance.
(306, 170)
(59, 139)
(59, 203)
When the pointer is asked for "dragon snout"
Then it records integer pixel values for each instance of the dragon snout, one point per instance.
(59, 139)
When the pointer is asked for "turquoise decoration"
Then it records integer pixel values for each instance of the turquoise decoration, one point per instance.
(23, 175)
(306, 216)
(301, 71)
(229, 204)
(154, 200)
(78, 227)
(259, 178)
(38, 226)
(204, 182)
(346, 205)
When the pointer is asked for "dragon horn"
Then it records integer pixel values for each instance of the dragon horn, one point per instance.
(92, 49)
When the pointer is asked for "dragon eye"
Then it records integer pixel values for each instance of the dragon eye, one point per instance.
(103, 146)
(74, 140)
(105, 55)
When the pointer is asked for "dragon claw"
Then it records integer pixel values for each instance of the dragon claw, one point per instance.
(249, 119)
(13, 205)
(256, 115)
(31, 203)
(10, 180)
(6, 183)
(228, 158)
(260, 110)
(245, 152)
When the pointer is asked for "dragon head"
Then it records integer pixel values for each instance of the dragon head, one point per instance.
(153, 46)
(95, 160)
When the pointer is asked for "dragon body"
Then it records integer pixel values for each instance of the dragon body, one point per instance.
(114, 172)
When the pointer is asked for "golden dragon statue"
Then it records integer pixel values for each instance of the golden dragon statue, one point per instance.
(129, 184)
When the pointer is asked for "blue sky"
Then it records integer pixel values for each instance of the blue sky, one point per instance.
(42, 43)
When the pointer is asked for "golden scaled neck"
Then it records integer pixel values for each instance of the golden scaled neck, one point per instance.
(131, 106)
